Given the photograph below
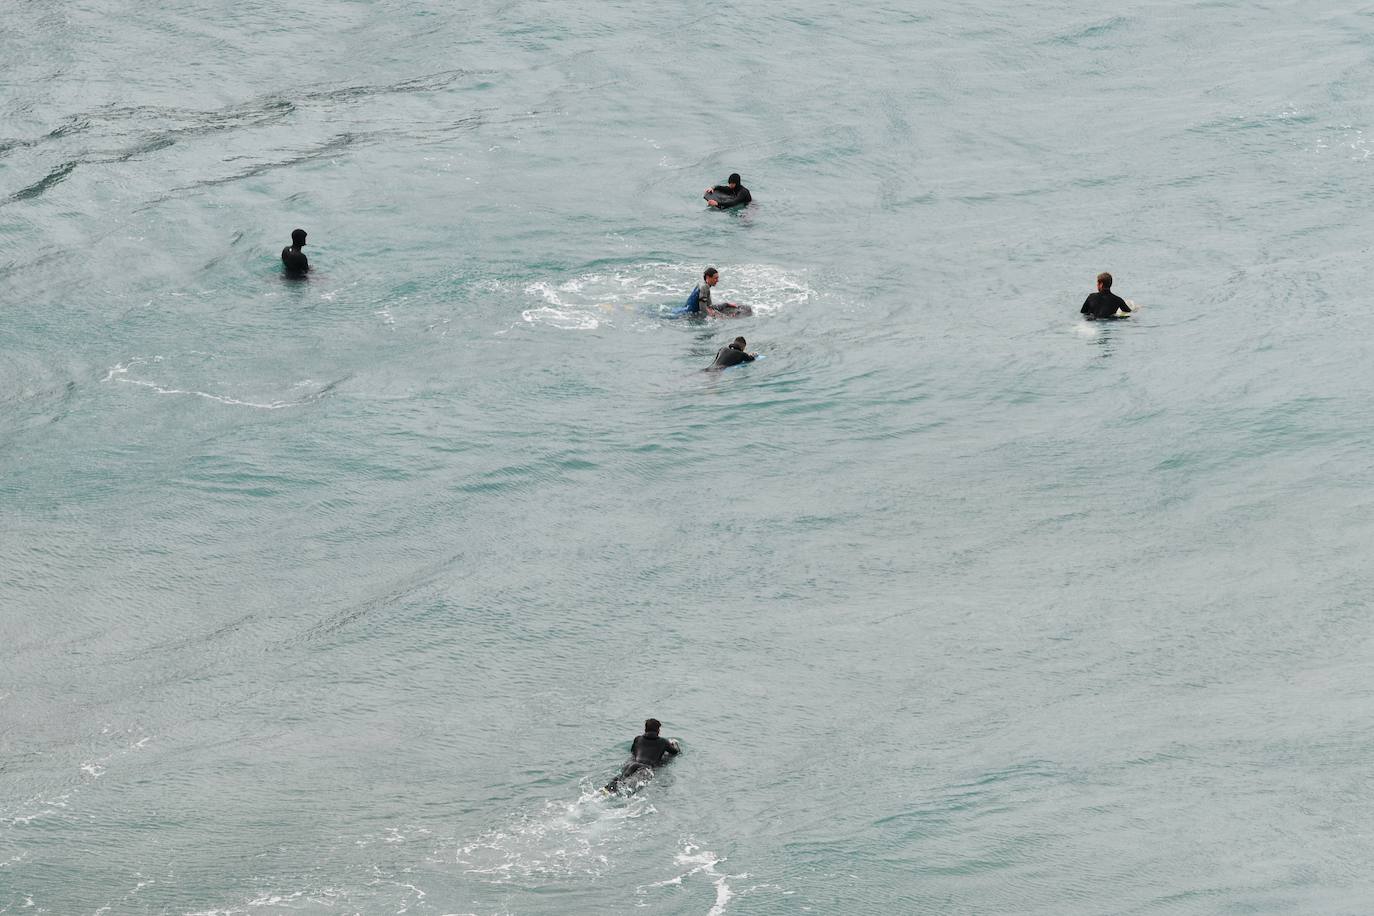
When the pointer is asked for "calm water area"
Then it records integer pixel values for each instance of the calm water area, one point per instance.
(345, 595)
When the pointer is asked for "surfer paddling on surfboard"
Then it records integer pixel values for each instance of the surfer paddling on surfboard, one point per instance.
(646, 752)
(1104, 303)
(732, 354)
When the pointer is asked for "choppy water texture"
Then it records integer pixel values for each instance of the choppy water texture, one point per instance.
(343, 596)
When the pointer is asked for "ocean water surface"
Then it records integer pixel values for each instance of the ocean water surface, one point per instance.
(345, 595)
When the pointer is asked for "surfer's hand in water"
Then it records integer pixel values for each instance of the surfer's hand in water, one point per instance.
(713, 203)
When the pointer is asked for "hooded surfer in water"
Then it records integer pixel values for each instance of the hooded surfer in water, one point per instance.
(295, 261)
(730, 194)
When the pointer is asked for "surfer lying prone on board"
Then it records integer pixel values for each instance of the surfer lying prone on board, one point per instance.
(732, 354)
(1104, 303)
(646, 752)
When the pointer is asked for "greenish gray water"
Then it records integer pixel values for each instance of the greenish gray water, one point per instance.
(343, 596)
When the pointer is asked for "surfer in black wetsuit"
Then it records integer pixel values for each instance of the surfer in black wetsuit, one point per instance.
(646, 752)
(730, 194)
(1104, 303)
(732, 354)
(295, 260)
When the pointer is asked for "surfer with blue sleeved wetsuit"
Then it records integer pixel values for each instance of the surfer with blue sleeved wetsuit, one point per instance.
(1104, 303)
(647, 751)
(698, 304)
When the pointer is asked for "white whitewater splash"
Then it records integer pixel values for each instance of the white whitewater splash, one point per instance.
(588, 301)
(700, 861)
(563, 838)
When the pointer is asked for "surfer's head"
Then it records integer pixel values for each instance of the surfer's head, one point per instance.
(298, 237)
(733, 180)
(739, 343)
(652, 726)
(711, 276)
(1104, 280)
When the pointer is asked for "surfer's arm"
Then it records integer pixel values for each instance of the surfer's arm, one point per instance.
(673, 747)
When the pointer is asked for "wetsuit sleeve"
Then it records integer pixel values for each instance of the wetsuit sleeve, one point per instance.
(672, 749)
(1087, 308)
(1123, 306)
(725, 198)
(748, 357)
